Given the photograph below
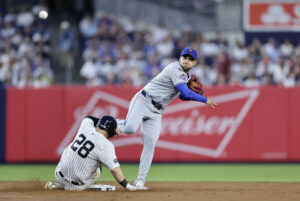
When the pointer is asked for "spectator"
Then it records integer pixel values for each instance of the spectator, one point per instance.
(255, 50)
(89, 71)
(297, 74)
(279, 73)
(9, 17)
(297, 49)
(290, 81)
(165, 47)
(88, 27)
(25, 18)
(8, 31)
(286, 49)
(251, 81)
(239, 52)
(271, 50)
(66, 48)
(223, 63)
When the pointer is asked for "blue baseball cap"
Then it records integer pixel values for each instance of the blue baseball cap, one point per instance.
(189, 51)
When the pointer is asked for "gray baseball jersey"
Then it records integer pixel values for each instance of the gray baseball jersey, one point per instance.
(142, 111)
(81, 160)
(162, 88)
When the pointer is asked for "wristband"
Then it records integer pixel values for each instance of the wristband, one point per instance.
(124, 183)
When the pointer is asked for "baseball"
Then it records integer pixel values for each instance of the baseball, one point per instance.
(43, 14)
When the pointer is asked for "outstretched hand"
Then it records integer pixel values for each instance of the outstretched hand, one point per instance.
(212, 104)
(118, 132)
(131, 187)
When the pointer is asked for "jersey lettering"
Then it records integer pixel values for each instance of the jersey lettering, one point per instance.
(85, 149)
(79, 142)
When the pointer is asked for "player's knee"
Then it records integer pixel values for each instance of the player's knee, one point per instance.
(129, 129)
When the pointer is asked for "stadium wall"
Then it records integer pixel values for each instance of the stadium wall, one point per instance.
(249, 124)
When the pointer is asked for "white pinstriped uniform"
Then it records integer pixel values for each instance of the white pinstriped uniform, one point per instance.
(162, 90)
(81, 160)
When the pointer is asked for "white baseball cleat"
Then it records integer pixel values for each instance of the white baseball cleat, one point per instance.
(51, 185)
(140, 185)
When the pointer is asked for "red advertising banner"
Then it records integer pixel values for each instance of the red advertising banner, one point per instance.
(16, 128)
(294, 125)
(249, 124)
(270, 15)
(35, 122)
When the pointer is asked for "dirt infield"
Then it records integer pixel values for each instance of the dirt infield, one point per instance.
(33, 191)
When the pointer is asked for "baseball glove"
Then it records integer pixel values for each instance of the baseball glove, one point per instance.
(195, 85)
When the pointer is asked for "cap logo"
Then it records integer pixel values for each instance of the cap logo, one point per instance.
(190, 50)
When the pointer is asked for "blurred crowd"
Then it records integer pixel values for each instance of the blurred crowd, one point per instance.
(122, 51)
(24, 47)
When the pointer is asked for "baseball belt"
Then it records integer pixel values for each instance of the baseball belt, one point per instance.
(155, 104)
(72, 182)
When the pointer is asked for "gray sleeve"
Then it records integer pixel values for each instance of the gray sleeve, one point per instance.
(177, 76)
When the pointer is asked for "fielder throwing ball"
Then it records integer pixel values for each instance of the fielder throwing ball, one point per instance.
(80, 163)
(146, 107)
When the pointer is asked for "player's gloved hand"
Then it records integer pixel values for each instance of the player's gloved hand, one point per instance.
(131, 187)
(195, 85)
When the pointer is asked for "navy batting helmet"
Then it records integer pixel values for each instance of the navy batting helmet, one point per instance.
(109, 124)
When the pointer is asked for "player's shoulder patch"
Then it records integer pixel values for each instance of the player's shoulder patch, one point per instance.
(182, 76)
(116, 160)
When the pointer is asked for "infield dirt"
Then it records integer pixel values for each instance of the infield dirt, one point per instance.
(160, 191)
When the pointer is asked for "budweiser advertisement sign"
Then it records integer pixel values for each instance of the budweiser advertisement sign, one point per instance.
(249, 124)
(270, 15)
(187, 127)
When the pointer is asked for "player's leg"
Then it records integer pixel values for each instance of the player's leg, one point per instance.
(134, 116)
(94, 177)
(72, 187)
(62, 183)
(150, 134)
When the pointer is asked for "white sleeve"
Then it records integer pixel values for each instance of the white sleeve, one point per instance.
(86, 123)
(108, 156)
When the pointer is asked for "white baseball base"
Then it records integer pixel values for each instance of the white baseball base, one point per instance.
(102, 187)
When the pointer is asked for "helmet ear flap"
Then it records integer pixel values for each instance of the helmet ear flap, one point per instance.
(109, 124)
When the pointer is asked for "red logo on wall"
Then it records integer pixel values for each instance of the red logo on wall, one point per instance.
(270, 15)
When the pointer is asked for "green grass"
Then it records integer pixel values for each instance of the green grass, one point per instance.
(170, 172)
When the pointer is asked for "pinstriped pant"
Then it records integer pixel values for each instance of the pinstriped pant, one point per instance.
(67, 185)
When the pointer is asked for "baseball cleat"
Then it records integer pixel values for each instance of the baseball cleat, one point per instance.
(50, 185)
(140, 185)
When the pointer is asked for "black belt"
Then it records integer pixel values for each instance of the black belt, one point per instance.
(72, 182)
(155, 104)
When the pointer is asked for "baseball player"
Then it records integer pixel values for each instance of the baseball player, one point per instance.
(80, 163)
(146, 107)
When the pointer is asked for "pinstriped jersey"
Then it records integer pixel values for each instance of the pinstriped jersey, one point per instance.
(86, 153)
(162, 88)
